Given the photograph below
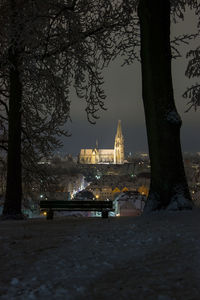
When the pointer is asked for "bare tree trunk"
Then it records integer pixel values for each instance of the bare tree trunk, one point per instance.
(169, 188)
(12, 206)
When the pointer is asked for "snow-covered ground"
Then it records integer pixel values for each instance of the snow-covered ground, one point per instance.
(154, 257)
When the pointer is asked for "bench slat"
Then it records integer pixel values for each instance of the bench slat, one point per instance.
(78, 205)
(79, 209)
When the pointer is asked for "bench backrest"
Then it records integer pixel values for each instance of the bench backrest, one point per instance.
(60, 204)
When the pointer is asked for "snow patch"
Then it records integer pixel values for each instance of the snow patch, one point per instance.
(173, 117)
(14, 281)
(179, 200)
(165, 297)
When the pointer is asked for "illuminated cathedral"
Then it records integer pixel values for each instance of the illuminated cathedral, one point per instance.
(105, 156)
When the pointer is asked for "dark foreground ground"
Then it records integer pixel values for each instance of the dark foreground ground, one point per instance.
(154, 257)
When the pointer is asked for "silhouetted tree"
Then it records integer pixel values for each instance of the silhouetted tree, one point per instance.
(193, 71)
(34, 108)
(45, 47)
(169, 188)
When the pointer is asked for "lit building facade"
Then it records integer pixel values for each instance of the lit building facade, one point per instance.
(102, 156)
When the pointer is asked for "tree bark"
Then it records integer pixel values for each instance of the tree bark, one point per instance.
(168, 188)
(12, 205)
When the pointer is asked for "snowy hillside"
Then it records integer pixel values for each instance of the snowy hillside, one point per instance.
(155, 257)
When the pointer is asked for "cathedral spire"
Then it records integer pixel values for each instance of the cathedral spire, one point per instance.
(119, 145)
(119, 129)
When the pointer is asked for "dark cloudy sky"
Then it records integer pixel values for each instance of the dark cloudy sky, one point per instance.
(124, 102)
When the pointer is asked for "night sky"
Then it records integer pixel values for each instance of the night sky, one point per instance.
(124, 101)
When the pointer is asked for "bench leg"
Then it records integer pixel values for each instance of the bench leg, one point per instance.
(50, 214)
(104, 214)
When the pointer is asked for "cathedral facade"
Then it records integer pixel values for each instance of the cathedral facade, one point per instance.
(102, 156)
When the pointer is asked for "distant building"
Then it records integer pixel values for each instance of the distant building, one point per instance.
(102, 156)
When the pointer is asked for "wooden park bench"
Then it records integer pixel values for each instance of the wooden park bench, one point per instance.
(60, 205)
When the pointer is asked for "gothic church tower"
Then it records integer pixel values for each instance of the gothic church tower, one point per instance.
(119, 146)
